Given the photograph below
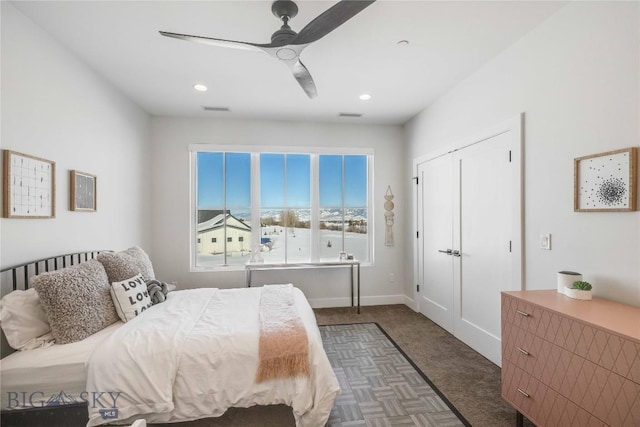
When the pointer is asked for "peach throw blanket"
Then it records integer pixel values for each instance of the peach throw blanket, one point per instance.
(284, 346)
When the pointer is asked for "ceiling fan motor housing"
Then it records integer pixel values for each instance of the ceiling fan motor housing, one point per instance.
(283, 35)
(281, 8)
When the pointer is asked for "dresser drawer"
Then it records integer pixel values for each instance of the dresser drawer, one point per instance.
(540, 403)
(519, 313)
(522, 348)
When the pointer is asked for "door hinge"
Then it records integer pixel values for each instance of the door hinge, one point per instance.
(416, 178)
(509, 156)
(417, 234)
(418, 288)
(509, 245)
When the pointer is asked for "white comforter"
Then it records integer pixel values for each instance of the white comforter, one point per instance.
(195, 356)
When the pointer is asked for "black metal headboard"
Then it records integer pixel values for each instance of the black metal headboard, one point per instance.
(19, 275)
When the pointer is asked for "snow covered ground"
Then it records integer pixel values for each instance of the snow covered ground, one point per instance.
(297, 247)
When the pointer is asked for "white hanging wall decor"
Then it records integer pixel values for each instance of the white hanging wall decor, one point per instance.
(388, 217)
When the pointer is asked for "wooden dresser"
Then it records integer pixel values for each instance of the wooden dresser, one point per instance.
(567, 362)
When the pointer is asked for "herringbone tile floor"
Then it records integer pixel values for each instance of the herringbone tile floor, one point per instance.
(379, 386)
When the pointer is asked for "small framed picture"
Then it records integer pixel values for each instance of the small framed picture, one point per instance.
(29, 186)
(84, 188)
(606, 182)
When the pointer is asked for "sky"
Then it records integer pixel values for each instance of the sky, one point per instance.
(284, 180)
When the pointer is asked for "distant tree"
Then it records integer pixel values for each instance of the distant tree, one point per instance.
(268, 220)
(290, 218)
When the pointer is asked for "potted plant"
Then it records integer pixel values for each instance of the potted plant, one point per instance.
(579, 290)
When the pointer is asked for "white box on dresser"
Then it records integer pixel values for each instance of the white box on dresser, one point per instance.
(568, 362)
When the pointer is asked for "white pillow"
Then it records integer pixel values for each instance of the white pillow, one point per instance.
(130, 297)
(24, 321)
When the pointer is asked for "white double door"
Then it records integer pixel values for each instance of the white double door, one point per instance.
(470, 236)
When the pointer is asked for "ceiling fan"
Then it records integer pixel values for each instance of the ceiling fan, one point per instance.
(287, 45)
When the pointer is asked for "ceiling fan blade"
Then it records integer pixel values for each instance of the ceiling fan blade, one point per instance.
(303, 77)
(217, 42)
(330, 19)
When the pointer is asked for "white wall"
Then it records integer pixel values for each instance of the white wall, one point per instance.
(55, 107)
(576, 77)
(170, 209)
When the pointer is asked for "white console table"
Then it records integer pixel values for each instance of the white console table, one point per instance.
(353, 264)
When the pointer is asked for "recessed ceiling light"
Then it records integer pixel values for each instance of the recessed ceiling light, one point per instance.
(200, 87)
(365, 97)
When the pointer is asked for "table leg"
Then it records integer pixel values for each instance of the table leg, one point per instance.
(352, 293)
(519, 419)
(358, 288)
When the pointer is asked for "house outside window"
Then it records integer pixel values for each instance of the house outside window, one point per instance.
(308, 206)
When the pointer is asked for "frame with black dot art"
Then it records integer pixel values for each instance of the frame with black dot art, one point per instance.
(606, 182)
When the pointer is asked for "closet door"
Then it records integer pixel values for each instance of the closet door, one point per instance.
(483, 226)
(469, 201)
(435, 191)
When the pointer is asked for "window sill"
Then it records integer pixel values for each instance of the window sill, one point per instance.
(230, 268)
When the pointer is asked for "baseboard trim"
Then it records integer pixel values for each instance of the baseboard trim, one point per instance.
(411, 303)
(346, 301)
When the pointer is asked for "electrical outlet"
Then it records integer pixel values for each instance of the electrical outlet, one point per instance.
(545, 242)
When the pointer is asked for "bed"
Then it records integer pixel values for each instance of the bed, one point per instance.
(192, 356)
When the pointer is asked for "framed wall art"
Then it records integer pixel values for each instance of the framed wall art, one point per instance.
(83, 191)
(28, 186)
(606, 182)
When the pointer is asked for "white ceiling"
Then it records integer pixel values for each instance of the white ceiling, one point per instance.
(449, 40)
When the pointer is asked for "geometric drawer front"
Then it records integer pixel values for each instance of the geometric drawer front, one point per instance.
(540, 403)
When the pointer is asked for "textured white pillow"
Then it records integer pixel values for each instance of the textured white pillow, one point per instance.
(130, 297)
(24, 321)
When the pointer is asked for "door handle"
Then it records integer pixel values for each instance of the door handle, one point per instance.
(448, 251)
(456, 253)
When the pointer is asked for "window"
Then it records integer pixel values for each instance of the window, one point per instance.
(285, 207)
(223, 193)
(290, 206)
(343, 206)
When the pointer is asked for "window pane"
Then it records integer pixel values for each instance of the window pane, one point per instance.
(238, 225)
(355, 181)
(209, 184)
(272, 235)
(356, 241)
(298, 180)
(330, 181)
(331, 225)
(238, 171)
(210, 237)
(298, 235)
(271, 180)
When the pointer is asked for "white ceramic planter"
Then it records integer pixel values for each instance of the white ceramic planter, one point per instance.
(577, 294)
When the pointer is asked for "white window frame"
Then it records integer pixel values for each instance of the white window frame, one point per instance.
(255, 152)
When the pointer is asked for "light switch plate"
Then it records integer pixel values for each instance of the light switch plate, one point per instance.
(545, 242)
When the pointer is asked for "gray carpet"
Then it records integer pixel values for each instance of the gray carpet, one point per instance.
(380, 385)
